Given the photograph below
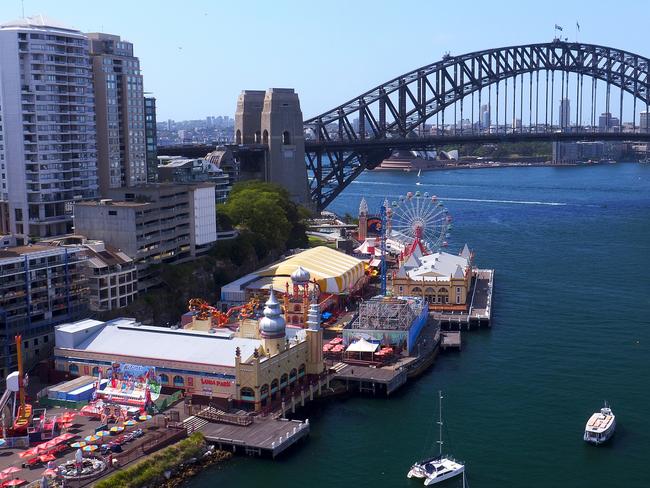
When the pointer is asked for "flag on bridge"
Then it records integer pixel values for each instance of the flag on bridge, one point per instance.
(577, 26)
(558, 27)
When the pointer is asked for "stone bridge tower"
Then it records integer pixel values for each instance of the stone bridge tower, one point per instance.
(248, 117)
(282, 130)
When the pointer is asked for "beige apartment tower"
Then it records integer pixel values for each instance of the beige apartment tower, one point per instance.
(119, 108)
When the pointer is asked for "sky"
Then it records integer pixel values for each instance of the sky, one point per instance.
(197, 55)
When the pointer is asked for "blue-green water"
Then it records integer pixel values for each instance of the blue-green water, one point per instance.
(571, 328)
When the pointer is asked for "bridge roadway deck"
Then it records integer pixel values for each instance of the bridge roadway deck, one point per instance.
(265, 435)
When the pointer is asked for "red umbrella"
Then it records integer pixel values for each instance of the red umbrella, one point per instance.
(50, 472)
(27, 453)
(47, 457)
(11, 470)
(14, 482)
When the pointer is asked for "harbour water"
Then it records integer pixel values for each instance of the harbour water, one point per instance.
(571, 328)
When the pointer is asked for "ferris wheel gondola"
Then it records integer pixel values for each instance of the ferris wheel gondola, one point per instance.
(420, 216)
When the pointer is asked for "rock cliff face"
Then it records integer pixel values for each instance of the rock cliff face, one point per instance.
(187, 470)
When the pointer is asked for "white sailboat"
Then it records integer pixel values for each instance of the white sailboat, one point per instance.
(439, 468)
(419, 174)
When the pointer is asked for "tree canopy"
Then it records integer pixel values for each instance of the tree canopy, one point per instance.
(266, 211)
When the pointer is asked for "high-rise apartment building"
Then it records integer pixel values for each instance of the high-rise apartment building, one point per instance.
(119, 107)
(485, 117)
(565, 112)
(151, 135)
(644, 121)
(607, 122)
(47, 145)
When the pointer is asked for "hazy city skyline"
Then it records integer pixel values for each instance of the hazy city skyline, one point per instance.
(328, 53)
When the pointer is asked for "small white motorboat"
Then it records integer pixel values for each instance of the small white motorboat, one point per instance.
(600, 426)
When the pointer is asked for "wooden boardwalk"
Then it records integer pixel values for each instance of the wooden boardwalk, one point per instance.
(480, 310)
(265, 435)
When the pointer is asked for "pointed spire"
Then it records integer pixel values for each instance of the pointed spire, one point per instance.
(466, 253)
(363, 207)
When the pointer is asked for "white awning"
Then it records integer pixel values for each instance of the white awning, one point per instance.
(362, 345)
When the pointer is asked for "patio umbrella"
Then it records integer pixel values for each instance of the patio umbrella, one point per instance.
(11, 470)
(78, 444)
(90, 448)
(14, 482)
(91, 438)
(2, 442)
(129, 423)
(47, 457)
(50, 472)
(66, 437)
(116, 429)
(102, 433)
(144, 418)
(27, 453)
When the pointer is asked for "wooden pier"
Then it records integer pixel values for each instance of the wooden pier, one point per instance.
(368, 379)
(480, 309)
(263, 436)
(450, 340)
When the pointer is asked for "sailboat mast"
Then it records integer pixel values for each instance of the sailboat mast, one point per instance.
(440, 422)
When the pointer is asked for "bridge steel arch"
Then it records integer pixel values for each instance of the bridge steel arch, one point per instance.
(338, 149)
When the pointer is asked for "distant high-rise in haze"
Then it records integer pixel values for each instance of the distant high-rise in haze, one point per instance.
(485, 116)
(565, 112)
(644, 121)
(47, 151)
(606, 121)
(119, 106)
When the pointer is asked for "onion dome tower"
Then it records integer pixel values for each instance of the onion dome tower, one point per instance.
(273, 326)
(300, 276)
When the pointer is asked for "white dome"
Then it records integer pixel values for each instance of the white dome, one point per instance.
(300, 275)
(272, 325)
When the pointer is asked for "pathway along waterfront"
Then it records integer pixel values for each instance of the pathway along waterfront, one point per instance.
(571, 328)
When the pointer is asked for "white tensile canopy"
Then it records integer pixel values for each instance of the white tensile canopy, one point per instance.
(362, 345)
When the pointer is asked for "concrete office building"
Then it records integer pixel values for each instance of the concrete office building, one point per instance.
(47, 151)
(152, 224)
(151, 136)
(119, 107)
(41, 286)
(177, 169)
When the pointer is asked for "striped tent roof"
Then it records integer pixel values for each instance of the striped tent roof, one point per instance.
(334, 271)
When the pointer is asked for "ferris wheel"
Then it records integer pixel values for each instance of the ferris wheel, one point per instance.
(419, 215)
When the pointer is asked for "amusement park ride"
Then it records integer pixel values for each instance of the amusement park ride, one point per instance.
(205, 311)
(414, 220)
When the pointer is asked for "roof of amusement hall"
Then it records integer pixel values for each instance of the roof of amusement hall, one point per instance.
(128, 338)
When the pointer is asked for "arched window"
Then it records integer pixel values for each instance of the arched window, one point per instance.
(258, 137)
(178, 380)
(74, 369)
(238, 137)
(296, 308)
(301, 371)
(429, 290)
(443, 291)
(264, 391)
(416, 289)
(265, 137)
(247, 394)
(164, 379)
(284, 379)
(274, 385)
(292, 375)
(286, 138)
(95, 371)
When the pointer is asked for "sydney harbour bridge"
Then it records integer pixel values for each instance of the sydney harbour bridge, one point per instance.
(557, 91)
